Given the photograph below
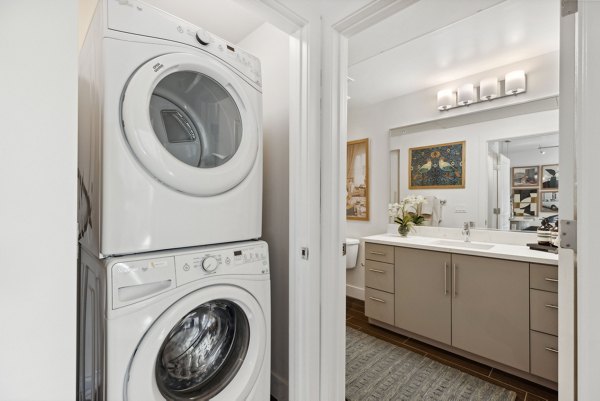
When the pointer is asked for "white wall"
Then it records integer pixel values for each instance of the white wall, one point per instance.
(375, 122)
(272, 47)
(38, 165)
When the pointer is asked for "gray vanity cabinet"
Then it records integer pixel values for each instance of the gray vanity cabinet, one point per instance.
(423, 303)
(490, 316)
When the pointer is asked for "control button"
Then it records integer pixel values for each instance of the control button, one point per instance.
(227, 260)
(210, 264)
(203, 37)
(186, 267)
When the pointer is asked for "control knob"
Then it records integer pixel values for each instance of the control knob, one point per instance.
(203, 37)
(210, 264)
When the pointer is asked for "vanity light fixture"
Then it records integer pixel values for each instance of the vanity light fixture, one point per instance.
(465, 95)
(445, 99)
(488, 89)
(514, 82)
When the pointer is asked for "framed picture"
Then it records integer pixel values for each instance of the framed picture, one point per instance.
(357, 180)
(550, 176)
(549, 202)
(526, 176)
(437, 166)
(525, 202)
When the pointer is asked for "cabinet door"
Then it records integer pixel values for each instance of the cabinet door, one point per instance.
(422, 293)
(490, 309)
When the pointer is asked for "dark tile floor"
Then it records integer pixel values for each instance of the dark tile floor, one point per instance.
(526, 390)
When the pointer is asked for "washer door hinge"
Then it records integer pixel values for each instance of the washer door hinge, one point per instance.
(568, 234)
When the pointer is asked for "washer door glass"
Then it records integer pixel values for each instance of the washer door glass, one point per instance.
(203, 352)
(196, 119)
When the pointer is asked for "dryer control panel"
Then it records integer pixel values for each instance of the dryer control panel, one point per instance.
(137, 17)
(246, 259)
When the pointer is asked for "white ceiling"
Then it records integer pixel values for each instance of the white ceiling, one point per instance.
(225, 18)
(437, 41)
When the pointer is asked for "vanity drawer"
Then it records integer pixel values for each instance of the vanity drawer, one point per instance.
(543, 277)
(379, 275)
(379, 253)
(379, 305)
(544, 311)
(544, 355)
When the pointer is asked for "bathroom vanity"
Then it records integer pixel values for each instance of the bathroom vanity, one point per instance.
(494, 303)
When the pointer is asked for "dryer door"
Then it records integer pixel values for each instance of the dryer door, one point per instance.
(210, 345)
(190, 123)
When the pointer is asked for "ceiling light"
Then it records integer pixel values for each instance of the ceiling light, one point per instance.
(488, 88)
(445, 99)
(465, 95)
(514, 82)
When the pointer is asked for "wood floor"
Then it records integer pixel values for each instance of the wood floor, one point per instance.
(526, 390)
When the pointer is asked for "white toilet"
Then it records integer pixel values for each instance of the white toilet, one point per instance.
(351, 252)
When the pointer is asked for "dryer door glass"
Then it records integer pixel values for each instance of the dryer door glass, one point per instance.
(195, 119)
(203, 352)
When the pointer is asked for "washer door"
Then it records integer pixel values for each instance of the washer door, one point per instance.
(190, 123)
(208, 346)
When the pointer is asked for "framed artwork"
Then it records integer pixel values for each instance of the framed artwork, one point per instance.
(550, 177)
(357, 180)
(526, 176)
(437, 166)
(525, 202)
(549, 202)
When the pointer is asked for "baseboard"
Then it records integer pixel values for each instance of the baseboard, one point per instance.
(355, 292)
(279, 388)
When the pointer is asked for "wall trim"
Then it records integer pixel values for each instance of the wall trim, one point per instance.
(353, 291)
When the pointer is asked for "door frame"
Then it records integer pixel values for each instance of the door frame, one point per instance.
(577, 64)
(303, 24)
(581, 118)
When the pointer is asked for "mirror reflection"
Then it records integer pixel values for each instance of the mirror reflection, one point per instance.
(523, 182)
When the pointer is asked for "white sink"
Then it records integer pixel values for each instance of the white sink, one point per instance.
(462, 244)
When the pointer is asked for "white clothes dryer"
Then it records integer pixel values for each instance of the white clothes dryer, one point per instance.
(189, 325)
(170, 134)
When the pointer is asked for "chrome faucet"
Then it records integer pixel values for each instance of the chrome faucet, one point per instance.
(466, 232)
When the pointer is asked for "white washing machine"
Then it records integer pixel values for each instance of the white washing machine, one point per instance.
(170, 134)
(189, 325)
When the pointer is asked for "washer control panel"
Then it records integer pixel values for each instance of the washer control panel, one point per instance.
(245, 259)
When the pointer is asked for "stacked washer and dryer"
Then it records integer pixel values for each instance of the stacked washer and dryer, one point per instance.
(174, 287)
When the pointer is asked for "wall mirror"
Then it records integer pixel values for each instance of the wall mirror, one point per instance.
(495, 170)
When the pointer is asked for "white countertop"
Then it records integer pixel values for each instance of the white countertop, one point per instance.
(499, 251)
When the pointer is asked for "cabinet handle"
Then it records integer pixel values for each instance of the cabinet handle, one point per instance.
(552, 280)
(445, 278)
(552, 350)
(454, 279)
(377, 270)
(377, 299)
(551, 306)
(377, 253)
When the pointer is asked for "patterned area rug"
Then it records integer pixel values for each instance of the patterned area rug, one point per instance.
(379, 371)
